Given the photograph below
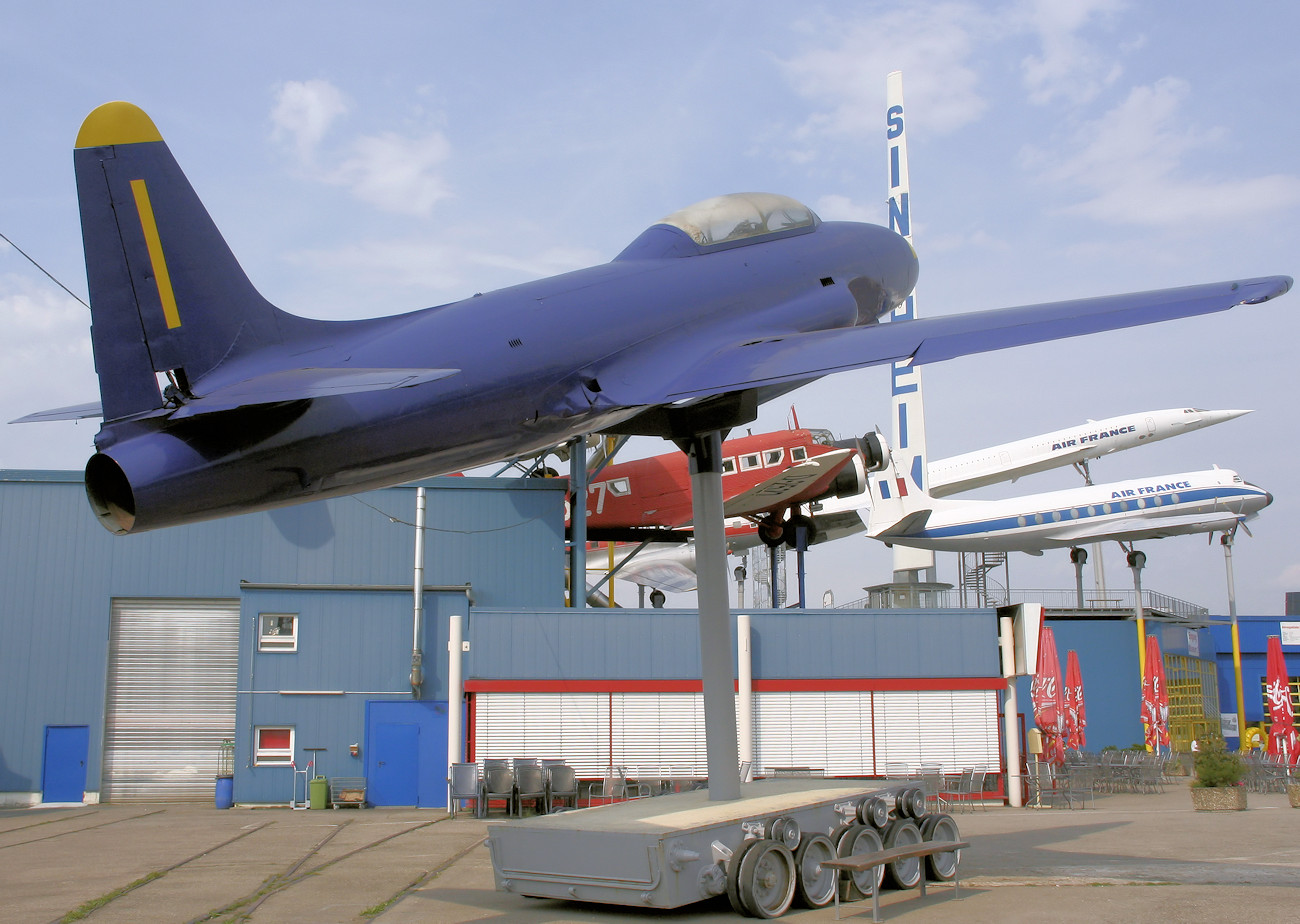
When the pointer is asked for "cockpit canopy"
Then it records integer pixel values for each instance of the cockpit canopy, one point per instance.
(740, 216)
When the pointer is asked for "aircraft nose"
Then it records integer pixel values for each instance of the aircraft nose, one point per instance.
(1268, 498)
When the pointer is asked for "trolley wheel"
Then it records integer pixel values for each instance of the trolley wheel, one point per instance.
(767, 880)
(816, 883)
(941, 867)
(905, 874)
(786, 830)
(733, 876)
(916, 800)
(859, 839)
(874, 812)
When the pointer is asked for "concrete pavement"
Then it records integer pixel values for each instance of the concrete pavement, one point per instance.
(1130, 857)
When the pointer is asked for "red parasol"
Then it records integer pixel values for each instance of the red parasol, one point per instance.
(1048, 699)
(1155, 698)
(1076, 716)
(1281, 713)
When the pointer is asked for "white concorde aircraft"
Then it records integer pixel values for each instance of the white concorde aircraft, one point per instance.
(1090, 440)
(1141, 508)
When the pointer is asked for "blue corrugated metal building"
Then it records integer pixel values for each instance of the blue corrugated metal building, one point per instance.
(291, 633)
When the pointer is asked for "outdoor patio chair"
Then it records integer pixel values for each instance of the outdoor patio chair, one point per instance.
(933, 783)
(465, 786)
(561, 784)
(498, 783)
(530, 784)
(962, 793)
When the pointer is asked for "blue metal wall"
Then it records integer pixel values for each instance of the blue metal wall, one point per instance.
(60, 571)
(600, 644)
(1253, 631)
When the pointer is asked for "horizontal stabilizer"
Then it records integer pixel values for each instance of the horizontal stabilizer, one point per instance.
(670, 576)
(303, 384)
(805, 356)
(74, 412)
(913, 522)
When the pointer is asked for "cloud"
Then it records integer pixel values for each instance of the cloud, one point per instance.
(390, 171)
(304, 112)
(1068, 66)
(396, 174)
(931, 43)
(1130, 165)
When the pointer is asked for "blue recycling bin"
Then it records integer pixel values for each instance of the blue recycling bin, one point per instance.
(225, 792)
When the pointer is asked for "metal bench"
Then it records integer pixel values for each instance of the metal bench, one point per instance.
(870, 861)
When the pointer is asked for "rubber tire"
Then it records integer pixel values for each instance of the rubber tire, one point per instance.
(774, 538)
(905, 874)
(941, 867)
(788, 529)
(918, 804)
(767, 880)
(816, 885)
(874, 812)
(858, 839)
(733, 877)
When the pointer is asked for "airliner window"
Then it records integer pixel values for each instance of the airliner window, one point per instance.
(749, 461)
(1056, 516)
(1157, 500)
(728, 465)
(1141, 502)
(773, 457)
(1123, 505)
(798, 454)
(1173, 498)
(1105, 508)
(738, 216)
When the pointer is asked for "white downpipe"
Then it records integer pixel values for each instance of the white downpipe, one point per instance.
(744, 689)
(417, 593)
(455, 694)
(1010, 710)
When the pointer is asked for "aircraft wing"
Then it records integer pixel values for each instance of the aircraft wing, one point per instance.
(301, 384)
(665, 574)
(798, 357)
(74, 412)
(792, 485)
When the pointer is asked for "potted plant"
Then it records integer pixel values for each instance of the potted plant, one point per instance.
(1218, 786)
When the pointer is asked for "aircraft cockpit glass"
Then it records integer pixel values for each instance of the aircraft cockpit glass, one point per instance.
(738, 216)
(822, 437)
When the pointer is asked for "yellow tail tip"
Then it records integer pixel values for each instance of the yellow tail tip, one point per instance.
(117, 123)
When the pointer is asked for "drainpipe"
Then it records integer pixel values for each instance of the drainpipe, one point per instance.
(417, 592)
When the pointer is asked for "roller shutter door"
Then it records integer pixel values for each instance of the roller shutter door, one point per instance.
(172, 674)
(844, 732)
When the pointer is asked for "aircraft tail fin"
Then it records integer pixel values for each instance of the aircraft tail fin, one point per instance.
(166, 293)
(898, 504)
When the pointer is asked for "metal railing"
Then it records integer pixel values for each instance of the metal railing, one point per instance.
(1115, 601)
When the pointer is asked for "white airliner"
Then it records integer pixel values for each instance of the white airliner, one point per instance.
(672, 567)
(1091, 440)
(1142, 508)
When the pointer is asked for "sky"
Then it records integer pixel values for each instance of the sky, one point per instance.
(371, 159)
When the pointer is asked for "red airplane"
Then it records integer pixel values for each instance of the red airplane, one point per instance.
(765, 478)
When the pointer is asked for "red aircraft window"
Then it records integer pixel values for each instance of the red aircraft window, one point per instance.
(728, 465)
(749, 461)
(798, 454)
(773, 457)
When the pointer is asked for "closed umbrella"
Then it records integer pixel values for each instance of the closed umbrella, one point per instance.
(1076, 716)
(1155, 698)
(1281, 712)
(1048, 699)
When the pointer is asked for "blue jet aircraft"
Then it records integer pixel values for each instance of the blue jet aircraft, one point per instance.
(215, 402)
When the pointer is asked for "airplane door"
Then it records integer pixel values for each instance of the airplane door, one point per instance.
(63, 775)
(1151, 425)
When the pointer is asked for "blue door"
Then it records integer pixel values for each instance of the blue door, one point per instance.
(406, 753)
(63, 776)
(396, 752)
